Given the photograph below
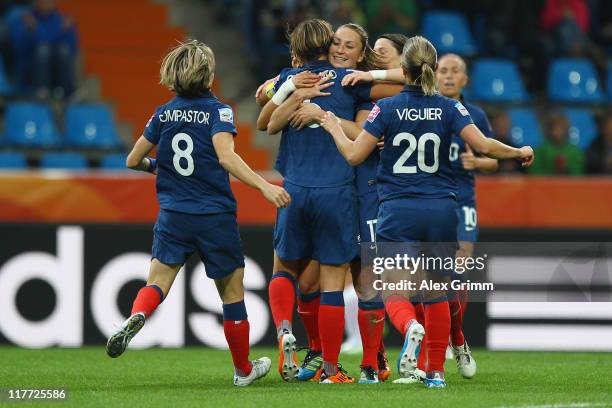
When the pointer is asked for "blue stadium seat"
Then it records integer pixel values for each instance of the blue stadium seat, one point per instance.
(113, 162)
(13, 161)
(91, 126)
(583, 129)
(448, 32)
(72, 161)
(525, 128)
(497, 80)
(573, 80)
(30, 125)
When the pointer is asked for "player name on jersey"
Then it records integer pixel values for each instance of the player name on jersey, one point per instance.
(419, 114)
(179, 115)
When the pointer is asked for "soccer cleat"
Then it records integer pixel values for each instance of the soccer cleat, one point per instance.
(310, 366)
(261, 367)
(449, 352)
(407, 361)
(411, 379)
(436, 380)
(466, 365)
(287, 357)
(118, 342)
(384, 370)
(368, 376)
(340, 377)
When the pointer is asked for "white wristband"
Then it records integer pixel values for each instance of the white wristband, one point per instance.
(283, 92)
(379, 74)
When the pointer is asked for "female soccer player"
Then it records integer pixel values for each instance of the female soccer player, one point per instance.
(194, 133)
(416, 186)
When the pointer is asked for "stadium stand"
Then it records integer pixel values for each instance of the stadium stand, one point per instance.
(29, 124)
(91, 126)
(573, 80)
(497, 81)
(449, 32)
(525, 127)
(12, 161)
(67, 160)
(583, 129)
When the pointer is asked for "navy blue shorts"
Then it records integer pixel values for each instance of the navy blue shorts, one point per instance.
(467, 229)
(368, 213)
(319, 224)
(214, 237)
(426, 225)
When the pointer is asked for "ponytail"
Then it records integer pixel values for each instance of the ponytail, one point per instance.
(428, 80)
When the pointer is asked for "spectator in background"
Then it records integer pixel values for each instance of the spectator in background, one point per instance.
(500, 123)
(45, 47)
(556, 155)
(392, 16)
(339, 12)
(599, 155)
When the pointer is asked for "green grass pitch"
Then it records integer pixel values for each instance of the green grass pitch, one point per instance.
(197, 376)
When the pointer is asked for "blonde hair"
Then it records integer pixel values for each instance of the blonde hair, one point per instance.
(310, 40)
(419, 62)
(188, 69)
(371, 60)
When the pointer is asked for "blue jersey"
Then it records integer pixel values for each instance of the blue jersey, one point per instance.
(189, 176)
(365, 173)
(465, 178)
(417, 130)
(309, 157)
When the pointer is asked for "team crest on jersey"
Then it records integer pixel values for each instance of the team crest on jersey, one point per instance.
(373, 113)
(225, 115)
(461, 109)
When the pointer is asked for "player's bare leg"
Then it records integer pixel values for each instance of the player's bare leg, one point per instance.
(236, 328)
(161, 278)
(459, 349)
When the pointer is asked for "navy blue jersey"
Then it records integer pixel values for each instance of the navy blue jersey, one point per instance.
(465, 178)
(309, 157)
(417, 130)
(189, 176)
(365, 173)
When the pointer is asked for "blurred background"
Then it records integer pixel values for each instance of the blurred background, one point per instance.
(79, 80)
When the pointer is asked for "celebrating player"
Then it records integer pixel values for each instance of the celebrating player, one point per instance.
(195, 133)
(416, 185)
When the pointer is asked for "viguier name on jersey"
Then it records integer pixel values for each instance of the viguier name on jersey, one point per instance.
(179, 115)
(419, 114)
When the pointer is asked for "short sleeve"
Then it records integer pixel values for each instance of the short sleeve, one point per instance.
(365, 106)
(282, 77)
(482, 123)
(460, 117)
(151, 130)
(375, 123)
(361, 92)
(222, 120)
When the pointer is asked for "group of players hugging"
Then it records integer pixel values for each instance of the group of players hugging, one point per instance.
(378, 146)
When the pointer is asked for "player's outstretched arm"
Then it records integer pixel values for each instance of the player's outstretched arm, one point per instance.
(230, 161)
(494, 148)
(355, 152)
(392, 75)
(137, 159)
(470, 161)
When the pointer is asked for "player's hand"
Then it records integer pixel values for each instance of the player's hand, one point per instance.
(330, 122)
(305, 79)
(314, 91)
(355, 77)
(381, 143)
(468, 160)
(305, 115)
(276, 195)
(260, 91)
(527, 156)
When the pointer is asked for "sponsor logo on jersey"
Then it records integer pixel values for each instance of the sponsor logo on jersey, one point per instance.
(373, 113)
(461, 109)
(225, 115)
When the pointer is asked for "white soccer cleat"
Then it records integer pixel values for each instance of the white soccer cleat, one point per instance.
(449, 352)
(261, 367)
(287, 358)
(407, 362)
(418, 376)
(466, 365)
(118, 342)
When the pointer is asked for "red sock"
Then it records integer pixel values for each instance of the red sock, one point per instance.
(456, 313)
(308, 309)
(420, 316)
(371, 325)
(147, 300)
(400, 311)
(281, 292)
(237, 336)
(331, 325)
(437, 327)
